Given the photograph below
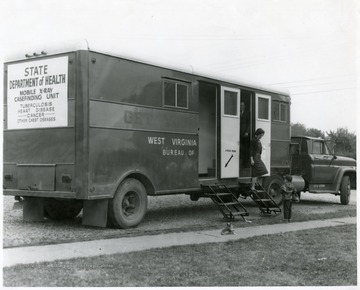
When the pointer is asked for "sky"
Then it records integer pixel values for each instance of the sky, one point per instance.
(307, 47)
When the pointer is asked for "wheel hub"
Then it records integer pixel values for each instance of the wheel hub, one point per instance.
(129, 204)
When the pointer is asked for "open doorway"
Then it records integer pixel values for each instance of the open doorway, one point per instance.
(207, 130)
(246, 128)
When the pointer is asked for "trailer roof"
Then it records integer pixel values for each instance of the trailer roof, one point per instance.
(34, 51)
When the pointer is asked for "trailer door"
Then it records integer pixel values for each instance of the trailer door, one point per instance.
(230, 132)
(263, 104)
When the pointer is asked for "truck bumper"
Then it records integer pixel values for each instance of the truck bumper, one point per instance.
(35, 193)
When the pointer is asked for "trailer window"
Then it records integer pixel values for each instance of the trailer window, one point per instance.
(279, 112)
(176, 94)
(182, 95)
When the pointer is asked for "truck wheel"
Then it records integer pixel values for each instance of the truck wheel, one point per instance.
(272, 186)
(62, 209)
(345, 190)
(129, 205)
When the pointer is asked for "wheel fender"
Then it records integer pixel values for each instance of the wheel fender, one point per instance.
(139, 175)
(340, 174)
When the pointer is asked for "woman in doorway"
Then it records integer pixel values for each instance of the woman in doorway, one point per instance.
(257, 165)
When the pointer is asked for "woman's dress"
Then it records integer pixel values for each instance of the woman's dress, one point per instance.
(259, 168)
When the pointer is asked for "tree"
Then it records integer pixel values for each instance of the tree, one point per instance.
(315, 133)
(344, 142)
(299, 129)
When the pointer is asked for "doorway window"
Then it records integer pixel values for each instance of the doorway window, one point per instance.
(230, 103)
(263, 108)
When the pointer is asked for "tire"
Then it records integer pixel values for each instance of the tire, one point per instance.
(272, 186)
(345, 190)
(194, 196)
(62, 209)
(129, 205)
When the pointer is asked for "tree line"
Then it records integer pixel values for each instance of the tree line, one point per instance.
(341, 141)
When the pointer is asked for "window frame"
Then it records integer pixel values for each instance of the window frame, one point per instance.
(277, 104)
(237, 113)
(268, 101)
(176, 83)
(317, 145)
(323, 148)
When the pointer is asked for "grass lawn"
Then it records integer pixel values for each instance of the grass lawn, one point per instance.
(325, 256)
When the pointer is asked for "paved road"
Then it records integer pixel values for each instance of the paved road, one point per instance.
(48, 253)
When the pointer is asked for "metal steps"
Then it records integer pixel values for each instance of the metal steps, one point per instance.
(225, 200)
(262, 199)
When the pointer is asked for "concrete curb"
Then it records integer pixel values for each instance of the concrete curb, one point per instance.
(49, 253)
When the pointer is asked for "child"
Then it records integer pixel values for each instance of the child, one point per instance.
(287, 190)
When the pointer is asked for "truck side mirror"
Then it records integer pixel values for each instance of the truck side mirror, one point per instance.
(294, 148)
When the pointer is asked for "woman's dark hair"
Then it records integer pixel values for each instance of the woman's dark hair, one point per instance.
(259, 132)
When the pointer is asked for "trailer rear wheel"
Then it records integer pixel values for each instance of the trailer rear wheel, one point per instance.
(62, 209)
(272, 186)
(345, 190)
(129, 205)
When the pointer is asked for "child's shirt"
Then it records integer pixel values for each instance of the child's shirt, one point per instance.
(287, 190)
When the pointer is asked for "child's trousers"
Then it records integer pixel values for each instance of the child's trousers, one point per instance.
(287, 209)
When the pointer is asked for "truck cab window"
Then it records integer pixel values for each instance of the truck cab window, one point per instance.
(320, 148)
(317, 148)
(325, 149)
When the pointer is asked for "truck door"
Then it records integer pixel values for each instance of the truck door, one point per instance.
(324, 170)
(230, 132)
(263, 109)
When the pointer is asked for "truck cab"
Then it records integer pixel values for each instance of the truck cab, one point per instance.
(322, 172)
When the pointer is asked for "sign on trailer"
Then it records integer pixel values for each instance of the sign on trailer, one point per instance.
(37, 94)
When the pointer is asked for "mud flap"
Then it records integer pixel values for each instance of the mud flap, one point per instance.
(18, 205)
(95, 213)
(33, 209)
